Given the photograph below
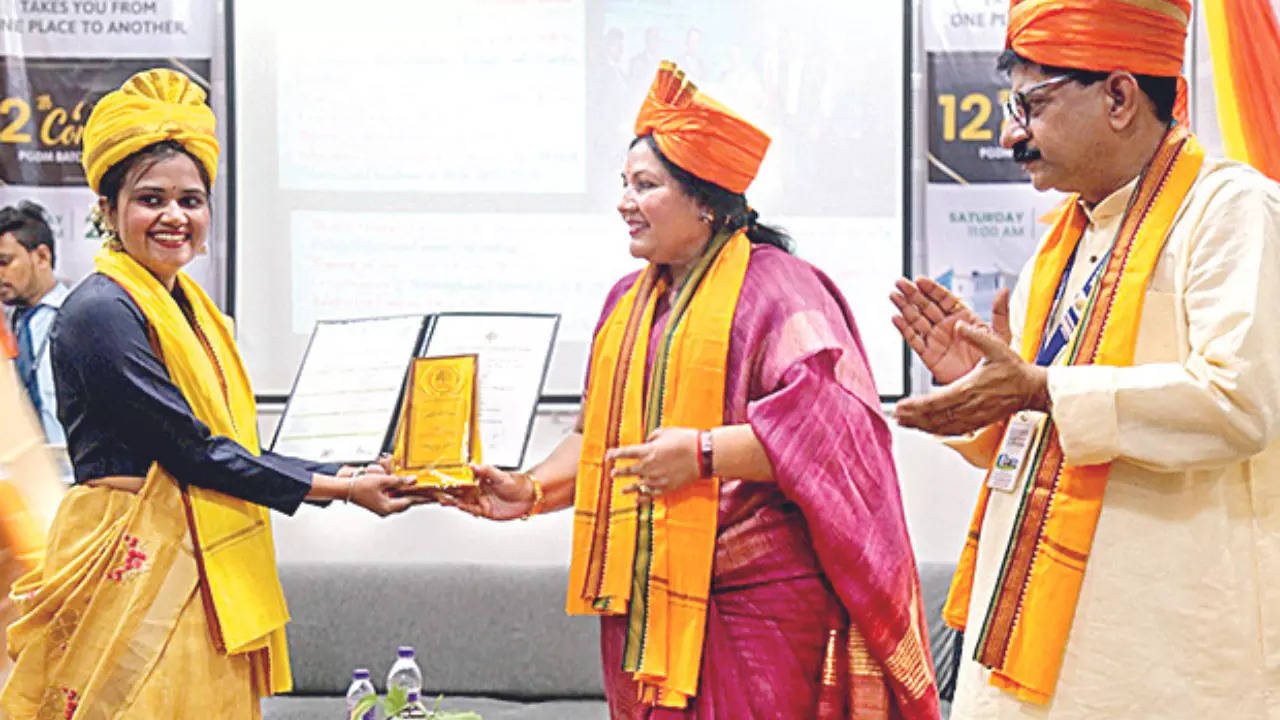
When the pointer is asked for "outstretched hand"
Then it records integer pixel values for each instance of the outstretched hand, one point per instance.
(928, 314)
(501, 495)
(1001, 384)
(382, 494)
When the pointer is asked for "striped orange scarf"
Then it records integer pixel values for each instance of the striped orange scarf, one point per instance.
(1025, 632)
(650, 559)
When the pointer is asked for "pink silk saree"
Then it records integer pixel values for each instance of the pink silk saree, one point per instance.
(824, 550)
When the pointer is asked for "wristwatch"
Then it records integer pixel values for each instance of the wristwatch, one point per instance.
(705, 462)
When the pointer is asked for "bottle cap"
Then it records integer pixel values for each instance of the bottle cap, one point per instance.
(405, 651)
(360, 674)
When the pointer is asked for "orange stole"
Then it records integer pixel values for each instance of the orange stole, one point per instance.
(680, 526)
(1025, 632)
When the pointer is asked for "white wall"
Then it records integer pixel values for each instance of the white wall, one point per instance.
(938, 491)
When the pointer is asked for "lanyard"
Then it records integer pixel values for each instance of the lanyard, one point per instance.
(44, 342)
(1052, 343)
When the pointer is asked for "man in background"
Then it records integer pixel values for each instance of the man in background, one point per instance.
(27, 285)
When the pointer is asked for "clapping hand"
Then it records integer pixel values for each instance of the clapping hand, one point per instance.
(1001, 384)
(927, 317)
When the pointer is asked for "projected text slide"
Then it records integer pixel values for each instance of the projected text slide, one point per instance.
(487, 98)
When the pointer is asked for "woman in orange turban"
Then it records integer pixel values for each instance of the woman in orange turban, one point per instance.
(737, 524)
(158, 594)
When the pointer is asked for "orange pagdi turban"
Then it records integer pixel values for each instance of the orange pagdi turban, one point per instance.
(151, 106)
(699, 134)
(1146, 37)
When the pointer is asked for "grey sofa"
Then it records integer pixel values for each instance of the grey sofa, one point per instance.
(492, 639)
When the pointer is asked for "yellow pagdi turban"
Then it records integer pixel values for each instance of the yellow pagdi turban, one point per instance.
(699, 134)
(1147, 37)
(152, 106)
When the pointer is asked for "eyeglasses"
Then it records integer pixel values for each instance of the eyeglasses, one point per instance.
(1017, 107)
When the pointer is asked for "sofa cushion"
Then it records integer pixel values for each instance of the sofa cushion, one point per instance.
(478, 629)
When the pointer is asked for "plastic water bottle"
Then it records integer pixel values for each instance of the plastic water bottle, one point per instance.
(360, 688)
(406, 674)
(415, 709)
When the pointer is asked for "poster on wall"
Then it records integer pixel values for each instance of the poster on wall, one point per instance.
(59, 58)
(981, 212)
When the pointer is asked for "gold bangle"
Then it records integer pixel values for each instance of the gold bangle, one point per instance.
(538, 496)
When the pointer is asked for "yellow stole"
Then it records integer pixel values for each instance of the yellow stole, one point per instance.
(234, 547)
(1025, 632)
(650, 559)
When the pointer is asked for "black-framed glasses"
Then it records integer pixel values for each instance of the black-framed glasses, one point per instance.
(1017, 106)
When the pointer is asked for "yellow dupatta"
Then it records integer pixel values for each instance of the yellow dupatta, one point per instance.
(1025, 632)
(651, 559)
(232, 537)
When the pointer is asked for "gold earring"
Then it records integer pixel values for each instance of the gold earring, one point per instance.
(111, 239)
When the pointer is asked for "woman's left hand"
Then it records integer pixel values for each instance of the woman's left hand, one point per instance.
(667, 461)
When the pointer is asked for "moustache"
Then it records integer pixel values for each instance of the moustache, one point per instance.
(1023, 153)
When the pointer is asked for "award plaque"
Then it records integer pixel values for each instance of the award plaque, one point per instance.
(438, 436)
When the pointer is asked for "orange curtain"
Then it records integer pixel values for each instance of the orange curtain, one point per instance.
(1244, 39)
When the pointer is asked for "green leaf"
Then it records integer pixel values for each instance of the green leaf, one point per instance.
(438, 714)
(397, 698)
(365, 705)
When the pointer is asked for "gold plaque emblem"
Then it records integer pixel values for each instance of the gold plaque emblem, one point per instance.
(444, 380)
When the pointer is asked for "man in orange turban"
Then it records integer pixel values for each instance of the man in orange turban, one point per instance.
(1124, 558)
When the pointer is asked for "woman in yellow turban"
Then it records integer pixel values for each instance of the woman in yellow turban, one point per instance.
(158, 595)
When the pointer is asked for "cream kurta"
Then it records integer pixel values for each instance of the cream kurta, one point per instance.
(1179, 613)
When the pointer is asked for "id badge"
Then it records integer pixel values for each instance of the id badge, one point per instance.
(1015, 450)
